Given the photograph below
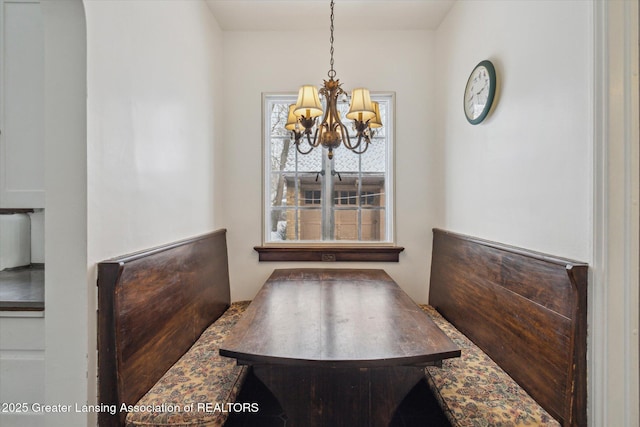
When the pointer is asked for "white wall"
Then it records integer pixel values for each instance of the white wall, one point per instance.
(153, 123)
(132, 168)
(67, 312)
(401, 61)
(524, 175)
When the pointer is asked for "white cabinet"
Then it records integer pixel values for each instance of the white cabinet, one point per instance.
(21, 105)
(21, 366)
(21, 186)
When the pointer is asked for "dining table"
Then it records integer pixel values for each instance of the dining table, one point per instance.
(336, 347)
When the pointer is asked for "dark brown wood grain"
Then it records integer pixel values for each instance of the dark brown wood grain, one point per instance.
(525, 309)
(336, 318)
(337, 347)
(11, 211)
(339, 397)
(152, 306)
(362, 253)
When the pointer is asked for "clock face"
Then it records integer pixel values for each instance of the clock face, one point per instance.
(479, 92)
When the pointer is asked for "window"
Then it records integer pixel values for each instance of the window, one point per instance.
(312, 197)
(312, 200)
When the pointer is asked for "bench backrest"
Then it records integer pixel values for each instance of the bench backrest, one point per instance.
(526, 310)
(152, 306)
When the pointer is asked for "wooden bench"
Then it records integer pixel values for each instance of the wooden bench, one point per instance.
(520, 318)
(162, 315)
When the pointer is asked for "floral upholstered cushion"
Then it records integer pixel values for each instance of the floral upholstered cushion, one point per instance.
(196, 389)
(474, 391)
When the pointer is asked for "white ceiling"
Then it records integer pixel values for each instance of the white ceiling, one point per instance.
(287, 15)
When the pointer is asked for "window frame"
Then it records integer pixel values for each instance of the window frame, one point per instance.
(328, 250)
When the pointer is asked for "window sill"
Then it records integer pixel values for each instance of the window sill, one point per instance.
(329, 253)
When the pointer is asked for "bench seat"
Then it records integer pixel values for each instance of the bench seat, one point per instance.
(474, 391)
(202, 376)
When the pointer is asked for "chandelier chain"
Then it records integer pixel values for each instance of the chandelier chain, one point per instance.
(332, 72)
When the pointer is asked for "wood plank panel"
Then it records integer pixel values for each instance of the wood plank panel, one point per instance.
(153, 305)
(336, 317)
(525, 309)
(337, 347)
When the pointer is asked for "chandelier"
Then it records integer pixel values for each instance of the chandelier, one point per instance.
(331, 132)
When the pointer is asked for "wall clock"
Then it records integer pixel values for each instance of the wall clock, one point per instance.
(480, 92)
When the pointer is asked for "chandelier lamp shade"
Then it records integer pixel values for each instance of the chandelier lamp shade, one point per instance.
(302, 120)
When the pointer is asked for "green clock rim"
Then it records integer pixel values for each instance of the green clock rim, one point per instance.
(492, 91)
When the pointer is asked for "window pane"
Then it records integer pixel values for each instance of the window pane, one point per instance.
(276, 147)
(279, 112)
(373, 224)
(310, 221)
(279, 225)
(346, 224)
(346, 160)
(279, 189)
(375, 158)
(311, 162)
(358, 183)
(282, 154)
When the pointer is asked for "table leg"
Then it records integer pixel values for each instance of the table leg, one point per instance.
(336, 397)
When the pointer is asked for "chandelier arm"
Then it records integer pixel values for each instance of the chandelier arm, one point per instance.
(333, 115)
(361, 131)
(345, 138)
(326, 115)
(297, 138)
(366, 145)
(316, 140)
(304, 152)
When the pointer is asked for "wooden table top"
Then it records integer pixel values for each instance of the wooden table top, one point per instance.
(336, 318)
